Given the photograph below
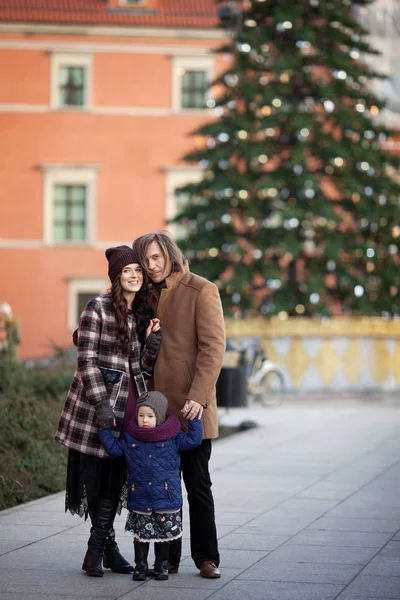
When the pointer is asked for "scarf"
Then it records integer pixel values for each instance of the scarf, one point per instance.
(169, 429)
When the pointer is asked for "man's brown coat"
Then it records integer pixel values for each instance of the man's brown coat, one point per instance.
(192, 347)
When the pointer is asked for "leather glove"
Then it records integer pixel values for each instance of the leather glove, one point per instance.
(153, 341)
(104, 416)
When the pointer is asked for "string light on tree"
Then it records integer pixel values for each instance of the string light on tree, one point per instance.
(359, 291)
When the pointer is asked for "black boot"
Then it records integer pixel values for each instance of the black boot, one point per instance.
(102, 516)
(141, 566)
(161, 551)
(113, 558)
(175, 553)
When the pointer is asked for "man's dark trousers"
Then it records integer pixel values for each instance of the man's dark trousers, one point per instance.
(203, 532)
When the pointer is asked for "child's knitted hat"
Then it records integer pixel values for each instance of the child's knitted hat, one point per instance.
(157, 402)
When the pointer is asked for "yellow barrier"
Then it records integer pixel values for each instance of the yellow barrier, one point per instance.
(338, 354)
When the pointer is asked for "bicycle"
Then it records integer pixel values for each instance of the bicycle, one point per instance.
(265, 381)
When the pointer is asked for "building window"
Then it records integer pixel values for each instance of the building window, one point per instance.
(69, 213)
(69, 194)
(70, 84)
(193, 89)
(80, 291)
(176, 200)
(182, 199)
(191, 77)
(82, 299)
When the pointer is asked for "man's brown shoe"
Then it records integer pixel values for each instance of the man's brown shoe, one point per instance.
(209, 570)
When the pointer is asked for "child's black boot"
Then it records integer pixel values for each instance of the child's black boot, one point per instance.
(141, 566)
(161, 551)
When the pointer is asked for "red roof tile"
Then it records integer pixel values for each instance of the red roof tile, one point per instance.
(168, 13)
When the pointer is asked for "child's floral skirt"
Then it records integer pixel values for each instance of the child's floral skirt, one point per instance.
(156, 527)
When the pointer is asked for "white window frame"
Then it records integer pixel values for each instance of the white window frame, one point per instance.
(69, 59)
(177, 177)
(82, 286)
(65, 175)
(200, 63)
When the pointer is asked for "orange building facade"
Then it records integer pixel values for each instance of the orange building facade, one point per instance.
(96, 104)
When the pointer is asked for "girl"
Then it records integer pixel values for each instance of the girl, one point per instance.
(151, 447)
(117, 347)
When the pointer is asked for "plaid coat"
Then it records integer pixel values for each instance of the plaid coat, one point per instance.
(101, 373)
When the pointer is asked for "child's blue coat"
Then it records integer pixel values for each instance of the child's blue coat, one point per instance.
(154, 483)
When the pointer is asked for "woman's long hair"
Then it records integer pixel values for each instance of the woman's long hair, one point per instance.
(141, 312)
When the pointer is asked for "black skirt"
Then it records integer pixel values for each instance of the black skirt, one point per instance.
(90, 478)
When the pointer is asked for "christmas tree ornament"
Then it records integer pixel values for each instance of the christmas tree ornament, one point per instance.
(266, 110)
(396, 231)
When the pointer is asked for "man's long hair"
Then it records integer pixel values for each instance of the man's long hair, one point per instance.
(168, 247)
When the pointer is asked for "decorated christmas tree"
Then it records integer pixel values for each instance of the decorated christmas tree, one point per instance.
(296, 212)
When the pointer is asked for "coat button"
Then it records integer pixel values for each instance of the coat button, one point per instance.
(150, 456)
(162, 445)
(149, 509)
(149, 482)
(133, 445)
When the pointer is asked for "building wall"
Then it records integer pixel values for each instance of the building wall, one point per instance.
(130, 138)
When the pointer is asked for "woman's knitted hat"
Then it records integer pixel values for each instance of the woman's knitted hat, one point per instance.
(157, 402)
(118, 258)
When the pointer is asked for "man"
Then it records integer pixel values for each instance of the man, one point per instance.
(186, 370)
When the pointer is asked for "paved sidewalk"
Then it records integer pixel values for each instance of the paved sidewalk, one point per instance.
(308, 508)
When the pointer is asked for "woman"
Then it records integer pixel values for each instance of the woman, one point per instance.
(117, 346)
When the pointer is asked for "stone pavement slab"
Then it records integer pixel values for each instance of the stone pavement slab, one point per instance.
(376, 588)
(307, 508)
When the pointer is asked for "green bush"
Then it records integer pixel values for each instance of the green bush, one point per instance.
(32, 464)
